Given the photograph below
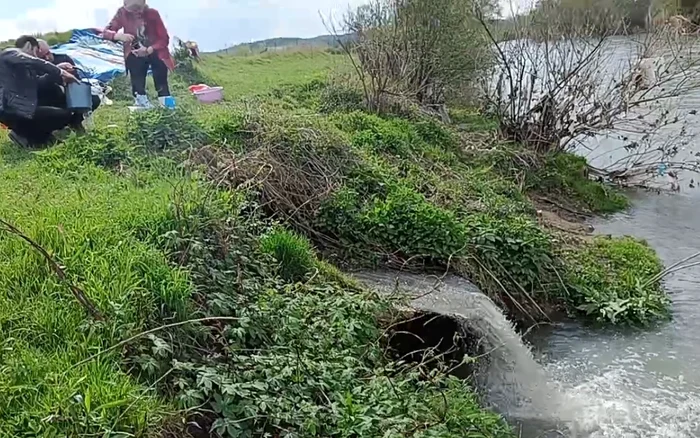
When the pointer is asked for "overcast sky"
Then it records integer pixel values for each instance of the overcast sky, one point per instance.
(214, 24)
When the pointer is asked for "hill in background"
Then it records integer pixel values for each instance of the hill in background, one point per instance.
(52, 38)
(274, 44)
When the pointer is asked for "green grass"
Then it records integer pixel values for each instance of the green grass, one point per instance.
(89, 220)
(152, 243)
(293, 253)
(259, 74)
(564, 175)
(165, 216)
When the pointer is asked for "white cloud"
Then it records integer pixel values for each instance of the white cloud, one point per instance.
(59, 15)
(213, 23)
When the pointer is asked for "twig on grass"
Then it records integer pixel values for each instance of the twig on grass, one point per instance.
(60, 273)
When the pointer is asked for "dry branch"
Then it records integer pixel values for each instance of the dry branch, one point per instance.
(554, 94)
(60, 273)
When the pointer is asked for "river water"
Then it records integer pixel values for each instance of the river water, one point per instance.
(639, 383)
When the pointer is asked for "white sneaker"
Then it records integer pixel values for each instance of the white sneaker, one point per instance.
(142, 101)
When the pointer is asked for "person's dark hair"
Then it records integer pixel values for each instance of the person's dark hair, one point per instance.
(24, 39)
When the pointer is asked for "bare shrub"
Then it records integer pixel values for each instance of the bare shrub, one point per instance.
(294, 162)
(584, 91)
(424, 50)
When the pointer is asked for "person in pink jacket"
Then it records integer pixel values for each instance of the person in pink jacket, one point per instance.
(146, 41)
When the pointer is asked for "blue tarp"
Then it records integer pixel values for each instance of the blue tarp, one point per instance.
(95, 57)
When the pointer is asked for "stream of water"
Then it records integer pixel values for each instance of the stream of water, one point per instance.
(639, 383)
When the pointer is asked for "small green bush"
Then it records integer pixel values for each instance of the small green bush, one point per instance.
(298, 132)
(392, 136)
(223, 125)
(339, 98)
(163, 130)
(467, 191)
(293, 253)
(433, 132)
(403, 222)
(609, 280)
(513, 247)
(106, 148)
(567, 173)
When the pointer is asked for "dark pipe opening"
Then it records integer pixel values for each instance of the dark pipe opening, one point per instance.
(425, 336)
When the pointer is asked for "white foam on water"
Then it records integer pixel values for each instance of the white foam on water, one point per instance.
(615, 405)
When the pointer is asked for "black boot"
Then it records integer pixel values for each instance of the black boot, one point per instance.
(19, 140)
(76, 123)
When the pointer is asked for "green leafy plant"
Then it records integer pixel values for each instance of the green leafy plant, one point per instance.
(610, 281)
(292, 252)
(515, 248)
(403, 222)
(340, 98)
(164, 130)
(394, 136)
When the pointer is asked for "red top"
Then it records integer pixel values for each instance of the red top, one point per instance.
(148, 29)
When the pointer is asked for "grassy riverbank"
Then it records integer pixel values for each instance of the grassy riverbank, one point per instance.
(233, 216)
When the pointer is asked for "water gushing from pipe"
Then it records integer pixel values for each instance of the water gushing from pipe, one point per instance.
(508, 376)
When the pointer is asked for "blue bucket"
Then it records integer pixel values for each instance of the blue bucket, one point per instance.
(79, 97)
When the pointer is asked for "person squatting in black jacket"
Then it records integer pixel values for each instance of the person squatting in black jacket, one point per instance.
(53, 93)
(31, 115)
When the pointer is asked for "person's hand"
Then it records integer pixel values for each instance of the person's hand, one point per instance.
(141, 52)
(67, 66)
(68, 78)
(124, 38)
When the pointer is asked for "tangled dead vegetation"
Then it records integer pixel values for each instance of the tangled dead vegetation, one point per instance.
(293, 164)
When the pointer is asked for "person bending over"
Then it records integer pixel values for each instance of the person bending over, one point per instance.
(23, 108)
(146, 43)
(53, 94)
(64, 62)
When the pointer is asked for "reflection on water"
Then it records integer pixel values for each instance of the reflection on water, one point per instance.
(640, 384)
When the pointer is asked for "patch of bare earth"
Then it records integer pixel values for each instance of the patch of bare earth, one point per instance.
(567, 221)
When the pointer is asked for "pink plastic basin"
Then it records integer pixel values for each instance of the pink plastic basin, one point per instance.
(198, 87)
(210, 95)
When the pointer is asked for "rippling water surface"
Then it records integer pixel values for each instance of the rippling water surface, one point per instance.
(639, 384)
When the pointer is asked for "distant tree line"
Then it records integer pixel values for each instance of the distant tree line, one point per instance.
(599, 17)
